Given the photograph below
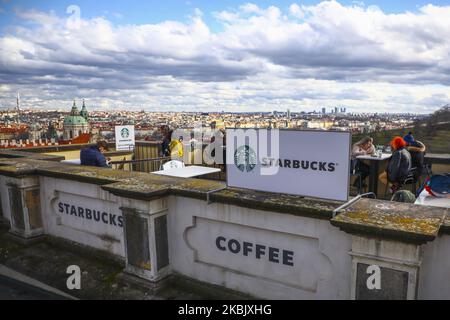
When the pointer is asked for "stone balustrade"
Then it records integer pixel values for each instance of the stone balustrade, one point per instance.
(265, 245)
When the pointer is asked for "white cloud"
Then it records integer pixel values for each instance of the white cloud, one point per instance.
(42, 18)
(250, 8)
(308, 56)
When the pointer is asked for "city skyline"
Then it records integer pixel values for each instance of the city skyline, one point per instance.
(237, 56)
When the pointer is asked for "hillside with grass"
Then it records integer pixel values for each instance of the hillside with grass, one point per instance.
(433, 131)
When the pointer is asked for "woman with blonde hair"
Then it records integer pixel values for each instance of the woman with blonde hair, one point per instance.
(360, 148)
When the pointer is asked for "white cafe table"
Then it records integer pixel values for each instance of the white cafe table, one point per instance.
(374, 168)
(72, 161)
(426, 199)
(384, 156)
(187, 172)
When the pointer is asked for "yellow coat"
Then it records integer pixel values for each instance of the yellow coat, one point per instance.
(176, 149)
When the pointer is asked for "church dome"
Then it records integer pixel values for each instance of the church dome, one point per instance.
(75, 118)
(71, 120)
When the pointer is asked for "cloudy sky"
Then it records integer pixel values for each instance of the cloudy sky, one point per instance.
(178, 55)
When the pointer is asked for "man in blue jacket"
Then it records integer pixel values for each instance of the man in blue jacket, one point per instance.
(93, 156)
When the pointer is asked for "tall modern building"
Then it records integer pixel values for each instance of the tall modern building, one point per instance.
(324, 110)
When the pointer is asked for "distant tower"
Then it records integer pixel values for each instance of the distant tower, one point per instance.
(18, 108)
(51, 132)
(288, 113)
(35, 132)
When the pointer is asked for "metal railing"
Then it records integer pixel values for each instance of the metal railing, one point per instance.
(150, 164)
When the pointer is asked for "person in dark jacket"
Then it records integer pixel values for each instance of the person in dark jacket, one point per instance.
(417, 150)
(93, 156)
(398, 166)
(165, 145)
(408, 137)
(166, 139)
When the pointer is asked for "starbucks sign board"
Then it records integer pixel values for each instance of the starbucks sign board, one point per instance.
(299, 162)
(124, 137)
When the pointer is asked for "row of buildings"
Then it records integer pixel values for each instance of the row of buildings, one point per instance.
(79, 126)
(75, 129)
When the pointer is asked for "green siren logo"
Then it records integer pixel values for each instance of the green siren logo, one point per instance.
(245, 158)
(125, 133)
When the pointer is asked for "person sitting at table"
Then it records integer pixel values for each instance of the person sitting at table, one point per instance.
(176, 148)
(361, 148)
(166, 139)
(417, 151)
(409, 136)
(94, 155)
(398, 166)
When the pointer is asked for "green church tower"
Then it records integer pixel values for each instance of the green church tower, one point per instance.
(84, 112)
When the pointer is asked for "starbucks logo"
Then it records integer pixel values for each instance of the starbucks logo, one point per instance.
(125, 133)
(245, 158)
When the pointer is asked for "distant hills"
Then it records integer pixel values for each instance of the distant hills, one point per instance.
(433, 131)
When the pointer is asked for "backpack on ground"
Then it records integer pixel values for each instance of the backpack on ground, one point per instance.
(404, 196)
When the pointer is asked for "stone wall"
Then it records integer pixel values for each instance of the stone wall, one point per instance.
(83, 213)
(262, 253)
(261, 244)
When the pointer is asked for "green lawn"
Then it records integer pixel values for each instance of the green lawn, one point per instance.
(435, 137)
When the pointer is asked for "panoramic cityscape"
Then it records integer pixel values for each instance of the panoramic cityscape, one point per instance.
(20, 124)
(243, 151)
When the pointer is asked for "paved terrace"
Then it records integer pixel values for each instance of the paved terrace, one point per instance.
(47, 261)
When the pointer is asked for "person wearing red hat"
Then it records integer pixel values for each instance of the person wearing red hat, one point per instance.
(398, 166)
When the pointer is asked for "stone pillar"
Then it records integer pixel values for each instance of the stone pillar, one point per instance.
(386, 246)
(146, 238)
(24, 207)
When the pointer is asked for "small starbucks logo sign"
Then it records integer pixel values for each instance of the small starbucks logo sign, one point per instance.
(245, 158)
(125, 133)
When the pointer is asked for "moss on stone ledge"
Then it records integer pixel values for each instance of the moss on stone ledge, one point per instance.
(296, 205)
(391, 219)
